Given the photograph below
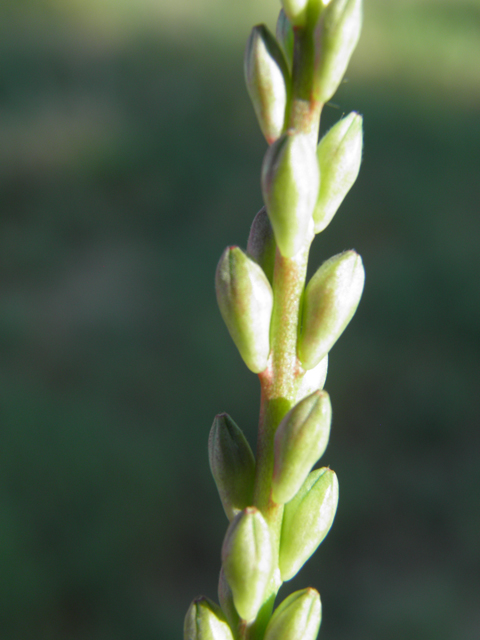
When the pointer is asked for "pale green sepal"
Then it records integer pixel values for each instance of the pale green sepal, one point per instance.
(245, 298)
(290, 182)
(300, 441)
(312, 380)
(298, 617)
(225, 597)
(261, 243)
(285, 36)
(232, 464)
(330, 301)
(307, 520)
(336, 36)
(267, 79)
(339, 156)
(205, 621)
(248, 561)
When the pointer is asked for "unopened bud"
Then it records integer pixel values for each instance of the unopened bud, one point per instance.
(290, 182)
(245, 298)
(307, 520)
(339, 156)
(300, 441)
(296, 10)
(312, 380)
(248, 561)
(266, 76)
(336, 36)
(232, 464)
(298, 617)
(205, 621)
(225, 597)
(330, 301)
(285, 36)
(261, 243)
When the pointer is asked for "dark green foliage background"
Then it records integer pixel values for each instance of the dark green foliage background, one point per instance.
(127, 163)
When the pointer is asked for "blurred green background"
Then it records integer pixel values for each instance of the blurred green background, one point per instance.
(129, 158)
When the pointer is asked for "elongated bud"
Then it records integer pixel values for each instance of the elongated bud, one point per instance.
(232, 464)
(296, 10)
(312, 380)
(245, 298)
(261, 243)
(225, 597)
(266, 76)
(300, 441)
(331, 299)
(290, 182)
(205, 621)
(248, 561)
(307, 520)
(285, 37)
(336, 36)
(298, 617)
(339, 156)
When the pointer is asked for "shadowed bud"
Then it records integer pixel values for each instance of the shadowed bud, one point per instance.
(245, 298)
(339, 156)
(307, 520)
(248, 561)
(312, 380)
(290, 182)
(298, 617)
(331, 299)
(300, 441)
(225, 597)
(266, 76)
(205, 621)
(336, 36)
(261, 243)
(285, 37)
(232, 464)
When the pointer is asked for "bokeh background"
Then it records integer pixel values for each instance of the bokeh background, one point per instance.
(129, 158)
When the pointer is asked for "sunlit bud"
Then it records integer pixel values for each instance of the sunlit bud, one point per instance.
(285, 36)
(245, 298)
(298, 617)
(267, 78)
(205, 621)
(248, 561)
(331, 298)
(307, 520)
(296, 10)
(261, 243)
(300, 441)
(339, 156)
(290, 182)
(232, 464)
(225, 597)
(336, 36)
(312, 380)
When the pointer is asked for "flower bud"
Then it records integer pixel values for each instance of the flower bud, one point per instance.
(225, 597)
(300, 441)
(296, 10)
(245, 298)
(285, 37)
(261, 243)
(290, 182)
(339, 156)
(331, 298)
(248, 561)
(336, 36)
(232, 464)
(267, 78)
(205, 621)
(312, 380)
(307, 520)
(298, 617)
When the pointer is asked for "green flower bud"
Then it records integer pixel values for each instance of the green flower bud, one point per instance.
(267, 79)
(307, 520)
(300, 441)
(296, 10)
(312, 380)
(285, 37)
(232, 464)
(331, 298)
(225, 597)
(261, 243)
(290, 182)
(248, 561)
(205, 621)
(336, 36)
(298, 617)
(245, 298)
(339, 156)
